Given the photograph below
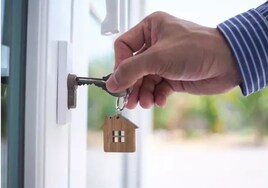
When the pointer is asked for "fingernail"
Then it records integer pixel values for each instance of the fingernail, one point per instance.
(111, 84)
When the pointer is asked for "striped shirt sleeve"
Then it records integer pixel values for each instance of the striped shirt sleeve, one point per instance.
(247, 35)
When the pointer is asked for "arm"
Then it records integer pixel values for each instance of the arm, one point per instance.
(247, 35)
(164, 54)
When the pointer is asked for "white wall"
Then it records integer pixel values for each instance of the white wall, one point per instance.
(206, 12)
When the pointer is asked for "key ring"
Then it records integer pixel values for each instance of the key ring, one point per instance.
(120, 108)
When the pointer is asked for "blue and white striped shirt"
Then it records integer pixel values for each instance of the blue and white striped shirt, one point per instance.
(247, 35)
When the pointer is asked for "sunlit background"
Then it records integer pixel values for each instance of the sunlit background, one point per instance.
(195, 141)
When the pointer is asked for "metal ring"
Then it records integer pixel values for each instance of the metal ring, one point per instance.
(119, 108)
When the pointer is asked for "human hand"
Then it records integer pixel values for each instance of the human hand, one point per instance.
(164, 54)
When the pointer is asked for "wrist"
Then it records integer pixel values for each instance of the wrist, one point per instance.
(232, 72)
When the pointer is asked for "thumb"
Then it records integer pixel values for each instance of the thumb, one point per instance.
(129, 72)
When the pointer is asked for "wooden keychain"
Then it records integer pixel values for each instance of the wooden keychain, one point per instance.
(119, 133)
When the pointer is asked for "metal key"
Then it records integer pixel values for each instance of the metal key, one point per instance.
(99, 82)
(73, 82)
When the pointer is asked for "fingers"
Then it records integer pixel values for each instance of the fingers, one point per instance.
(162, 91)
(129, 71)
(131, 42)
(146, 95)
(149, 91)
(133, 98)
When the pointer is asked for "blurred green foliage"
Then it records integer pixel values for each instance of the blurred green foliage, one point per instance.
(217, 114)
(100, 103)
(210, 114)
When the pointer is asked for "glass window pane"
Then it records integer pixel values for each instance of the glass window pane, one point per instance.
(104, 169)
(115, 133)
(214, 141)
(14, 27)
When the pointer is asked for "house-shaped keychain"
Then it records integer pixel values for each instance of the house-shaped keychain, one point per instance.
(119, 134)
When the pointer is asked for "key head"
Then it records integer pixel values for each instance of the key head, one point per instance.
(119, 94)
(105, 78)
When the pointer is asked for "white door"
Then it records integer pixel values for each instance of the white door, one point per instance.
(55, 154)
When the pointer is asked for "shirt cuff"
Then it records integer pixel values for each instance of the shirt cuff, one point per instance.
(247, 35)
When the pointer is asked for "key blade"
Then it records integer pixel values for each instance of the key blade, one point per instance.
(105, 78)
(118, 94)
(90, 81)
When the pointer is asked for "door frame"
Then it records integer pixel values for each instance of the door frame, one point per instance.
(14, 28)
(55, 155)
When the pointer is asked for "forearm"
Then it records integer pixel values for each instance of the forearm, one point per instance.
(247, 35)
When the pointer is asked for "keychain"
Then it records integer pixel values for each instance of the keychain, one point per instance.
(118, 132)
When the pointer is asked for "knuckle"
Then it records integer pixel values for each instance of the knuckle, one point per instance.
(157, 14)
(122, 72)
(123, 68)
(117, 42)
